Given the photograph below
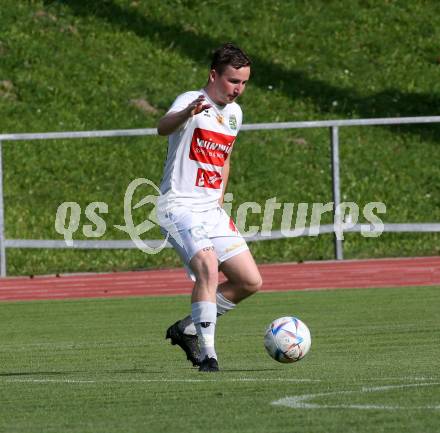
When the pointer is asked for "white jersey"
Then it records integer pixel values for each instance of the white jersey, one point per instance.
(197, 152)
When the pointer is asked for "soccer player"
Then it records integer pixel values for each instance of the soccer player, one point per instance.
(202, 127)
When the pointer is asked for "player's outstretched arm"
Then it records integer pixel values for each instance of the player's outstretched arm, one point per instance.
(172, 121)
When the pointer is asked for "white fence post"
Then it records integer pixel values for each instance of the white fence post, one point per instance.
(337, 218)
(2, 222)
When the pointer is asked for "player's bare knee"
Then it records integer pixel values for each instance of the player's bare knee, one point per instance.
(209, 274)
(205, 268)
(257, 284)
(253, 285)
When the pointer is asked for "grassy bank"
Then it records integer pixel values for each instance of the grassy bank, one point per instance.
(78, 65)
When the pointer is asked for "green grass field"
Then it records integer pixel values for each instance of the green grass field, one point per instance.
(104, 366)
(117, 64)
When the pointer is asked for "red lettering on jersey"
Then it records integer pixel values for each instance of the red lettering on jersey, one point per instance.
(209, 179)
(210, 147)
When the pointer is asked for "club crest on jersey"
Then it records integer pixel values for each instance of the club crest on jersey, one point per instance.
(232, 121)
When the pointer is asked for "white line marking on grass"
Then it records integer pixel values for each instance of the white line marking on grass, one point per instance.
(405, 385)
(400, 378)
(98, 381)
(302, 401)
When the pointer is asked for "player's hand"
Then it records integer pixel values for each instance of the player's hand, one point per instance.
(197, 106)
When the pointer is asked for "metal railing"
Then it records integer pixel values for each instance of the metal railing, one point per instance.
(333, 126)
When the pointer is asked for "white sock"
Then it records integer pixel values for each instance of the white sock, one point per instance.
(204, 315)
(186, 325)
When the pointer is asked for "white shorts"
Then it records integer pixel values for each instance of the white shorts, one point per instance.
(189, 232)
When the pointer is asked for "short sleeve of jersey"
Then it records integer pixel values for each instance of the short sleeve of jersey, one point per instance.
(183, 100)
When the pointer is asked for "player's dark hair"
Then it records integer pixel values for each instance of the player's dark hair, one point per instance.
(229, 54)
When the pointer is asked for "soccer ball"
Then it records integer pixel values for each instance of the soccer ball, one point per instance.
(287, 339)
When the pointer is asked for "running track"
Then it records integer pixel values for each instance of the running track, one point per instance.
(422, 271)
